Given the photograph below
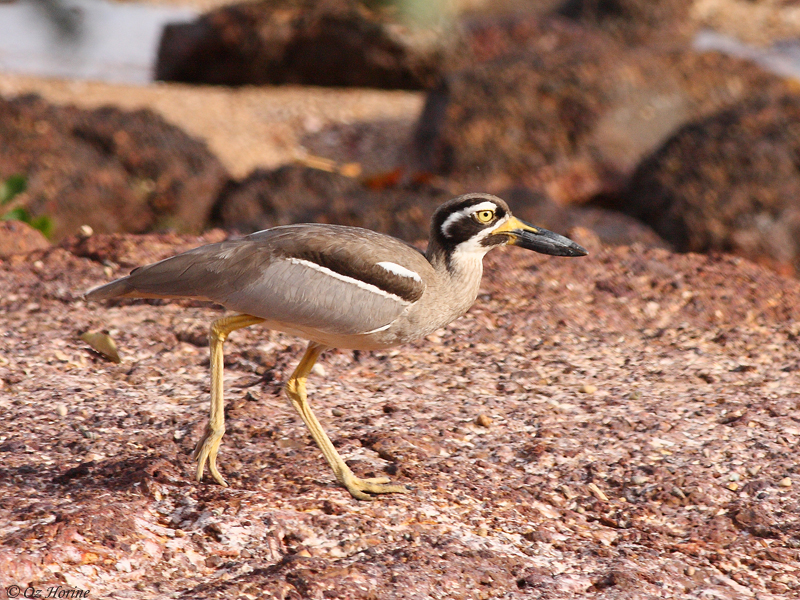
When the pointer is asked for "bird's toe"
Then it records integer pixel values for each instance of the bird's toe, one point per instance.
(367, 489)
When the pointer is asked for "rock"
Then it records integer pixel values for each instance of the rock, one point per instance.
(633, 21)
(331, 43)
(110, 169)
(17, 237)
(571, 111)
(609, 227)
(298, 194)
(727, 183)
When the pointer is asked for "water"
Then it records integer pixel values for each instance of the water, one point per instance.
(84, 39)
(782, 58)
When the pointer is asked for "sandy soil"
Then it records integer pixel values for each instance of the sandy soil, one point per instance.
(246, 128)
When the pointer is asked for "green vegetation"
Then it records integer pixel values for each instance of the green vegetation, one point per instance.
(11, 188)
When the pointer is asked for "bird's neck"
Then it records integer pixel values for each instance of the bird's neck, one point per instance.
(459, 269)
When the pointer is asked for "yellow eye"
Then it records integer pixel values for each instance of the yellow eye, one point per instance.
(484, 216)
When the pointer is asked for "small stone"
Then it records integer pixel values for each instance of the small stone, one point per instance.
(318, 369)
(732, 486)
(85, 231)
(482, 531)
(678, 493)
(483, 420)
(103, 344)
(61, 409)
(337, 412)
(124, 566)
(785, 482)
(638, 480)
(690, 571)
(597, 492)
(214, 561)
(588, 388)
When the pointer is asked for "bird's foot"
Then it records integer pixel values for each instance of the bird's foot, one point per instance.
(206, 450)
(365, 489)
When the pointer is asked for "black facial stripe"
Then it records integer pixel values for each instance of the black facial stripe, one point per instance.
(462, 229)
(406, 288)
(494, 239)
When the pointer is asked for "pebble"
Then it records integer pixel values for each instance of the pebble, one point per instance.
(639, 480)
(483, 420)
(61, 409)
(318, 369)
(785, 482)
(733, 486)
(597, 492)
(588, 388)
(337, 412)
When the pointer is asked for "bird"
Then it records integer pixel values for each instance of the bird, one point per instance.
(337, 287)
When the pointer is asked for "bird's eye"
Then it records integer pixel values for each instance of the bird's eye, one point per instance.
(484, 216)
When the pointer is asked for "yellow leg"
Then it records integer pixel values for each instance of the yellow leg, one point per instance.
(208, 446)
(296, 390)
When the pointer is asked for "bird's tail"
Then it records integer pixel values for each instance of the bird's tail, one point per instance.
(120, 288)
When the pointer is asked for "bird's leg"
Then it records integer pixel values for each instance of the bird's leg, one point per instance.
(296, 390)
(208, 446)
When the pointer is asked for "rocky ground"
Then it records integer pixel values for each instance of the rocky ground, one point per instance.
(623, 425)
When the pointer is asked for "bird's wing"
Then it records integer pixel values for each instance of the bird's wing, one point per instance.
(339, 280)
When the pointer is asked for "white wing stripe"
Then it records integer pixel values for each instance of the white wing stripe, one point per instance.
(400, 270)
(363, 285)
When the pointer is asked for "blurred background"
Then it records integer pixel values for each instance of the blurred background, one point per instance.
(672, 124)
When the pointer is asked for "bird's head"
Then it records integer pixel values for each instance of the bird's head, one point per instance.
(473, 224)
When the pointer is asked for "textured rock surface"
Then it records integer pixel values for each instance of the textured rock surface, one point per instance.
(634, 21)
(570, 109)
(298, 194)
(642, 412)
(332, 43)
(110, 169)
(727, 183)
(19, 238)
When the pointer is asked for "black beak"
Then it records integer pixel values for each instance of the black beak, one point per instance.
(543, 241)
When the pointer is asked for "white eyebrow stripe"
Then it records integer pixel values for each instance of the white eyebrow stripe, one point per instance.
(400, 270)
(473, 208)
(362, 284)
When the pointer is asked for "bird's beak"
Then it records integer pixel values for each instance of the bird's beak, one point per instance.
(538, 239)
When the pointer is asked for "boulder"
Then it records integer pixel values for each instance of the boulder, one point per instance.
(570, 110)
(729, 182)
(328, 43)
(17, 237)
(111, 169)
